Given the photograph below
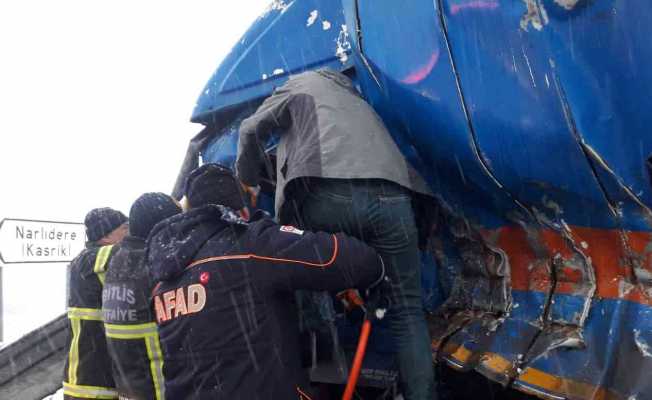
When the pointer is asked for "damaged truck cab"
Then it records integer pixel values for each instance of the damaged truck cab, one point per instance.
(530, 120)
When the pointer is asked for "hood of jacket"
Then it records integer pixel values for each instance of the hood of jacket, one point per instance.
(174, 242)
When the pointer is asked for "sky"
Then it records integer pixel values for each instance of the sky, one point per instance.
(95, 97)
(95, 101)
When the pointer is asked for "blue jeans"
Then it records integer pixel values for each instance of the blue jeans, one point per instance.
(379, 213)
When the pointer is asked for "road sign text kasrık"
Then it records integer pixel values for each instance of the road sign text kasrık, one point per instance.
(34, 241)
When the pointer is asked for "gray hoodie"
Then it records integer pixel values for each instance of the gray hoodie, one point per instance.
(326, 130)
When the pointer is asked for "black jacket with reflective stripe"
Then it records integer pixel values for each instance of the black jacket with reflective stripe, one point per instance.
(87, 372)
(225, 307)
(131, 330)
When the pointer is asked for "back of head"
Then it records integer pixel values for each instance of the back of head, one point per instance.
(148, 210)
(213, 184)
(100, 222)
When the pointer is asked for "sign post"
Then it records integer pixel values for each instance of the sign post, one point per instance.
(25, 241)
(2, 335)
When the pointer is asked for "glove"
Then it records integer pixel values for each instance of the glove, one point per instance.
(350, 299)
(378, 297)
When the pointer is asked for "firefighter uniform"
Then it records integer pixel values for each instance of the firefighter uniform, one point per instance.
(88, 366)
(129, 323)
(225, 309)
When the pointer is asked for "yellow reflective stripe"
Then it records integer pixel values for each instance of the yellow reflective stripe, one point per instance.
(132, 327)
(73, 354)
(138, 331)
(102, 258)
(89, 392)
(148, 332)
(156, 364)
(100, 262)
(90, 314)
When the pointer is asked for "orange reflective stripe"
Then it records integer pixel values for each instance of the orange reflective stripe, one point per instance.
(272, 259)
(530, 380)
(220, 258)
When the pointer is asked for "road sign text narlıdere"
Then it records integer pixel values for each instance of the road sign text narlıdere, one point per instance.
(31, 241)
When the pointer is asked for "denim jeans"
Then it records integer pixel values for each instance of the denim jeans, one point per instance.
(379, 213)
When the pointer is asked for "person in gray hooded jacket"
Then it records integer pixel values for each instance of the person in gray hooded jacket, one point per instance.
(339, 170)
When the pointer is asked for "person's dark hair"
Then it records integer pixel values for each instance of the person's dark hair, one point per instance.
(148, 210)
(102, 221)
(213, 184)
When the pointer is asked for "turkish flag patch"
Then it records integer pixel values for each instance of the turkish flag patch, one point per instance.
(291, 229)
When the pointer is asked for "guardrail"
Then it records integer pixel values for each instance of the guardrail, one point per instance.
(32, 367)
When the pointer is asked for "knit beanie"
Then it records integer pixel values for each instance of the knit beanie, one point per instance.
(102, 221)
(213, 184)
(148, 210)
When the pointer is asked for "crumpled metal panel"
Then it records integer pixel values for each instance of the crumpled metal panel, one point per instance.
(529, 119)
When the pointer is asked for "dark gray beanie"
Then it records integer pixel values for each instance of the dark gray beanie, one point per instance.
(102, 221)
(148, 210)
(214, 184)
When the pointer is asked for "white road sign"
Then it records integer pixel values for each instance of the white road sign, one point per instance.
(31, 241)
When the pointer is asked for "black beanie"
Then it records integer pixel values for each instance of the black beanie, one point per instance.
(148, 210)
(102, 221)
(213, 184)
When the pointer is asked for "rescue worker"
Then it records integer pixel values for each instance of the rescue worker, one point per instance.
(87, 373)
(129, 323)
(224, 304)
(338, 169)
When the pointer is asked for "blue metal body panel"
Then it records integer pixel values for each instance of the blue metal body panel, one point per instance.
(530, 121)
(279, 43)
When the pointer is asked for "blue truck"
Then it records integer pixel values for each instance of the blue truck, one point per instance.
(529, 120)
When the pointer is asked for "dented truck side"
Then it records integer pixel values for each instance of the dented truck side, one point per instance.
(530, 121)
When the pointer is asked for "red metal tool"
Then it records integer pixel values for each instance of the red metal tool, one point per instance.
(357, 360)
